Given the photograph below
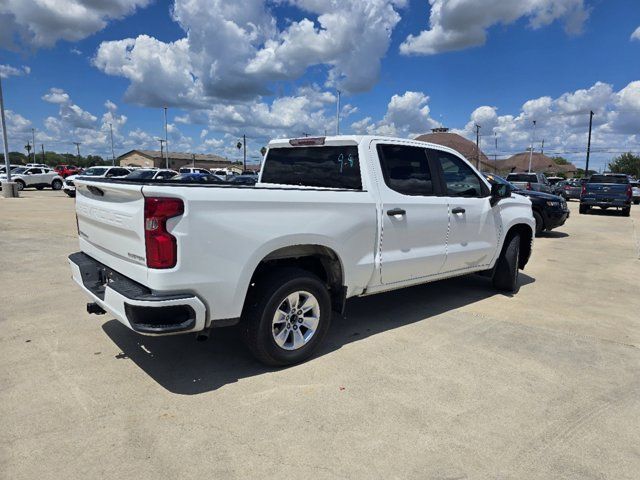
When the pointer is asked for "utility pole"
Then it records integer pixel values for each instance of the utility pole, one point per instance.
(5, 144)
(338, 113)
(533, 139)
(542, 149)
(161, 148)
(33, 138)
(244, 158)
(113, 154)
(477, 146)
(586, 168)
(193, 160)
(77, 144)
(495, 156)
(166, 139)
(43, 155)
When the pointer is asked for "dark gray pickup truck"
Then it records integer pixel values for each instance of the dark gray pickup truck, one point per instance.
(608, 190)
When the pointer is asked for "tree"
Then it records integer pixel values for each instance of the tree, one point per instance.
(580, 172)
(560, 160)
(626, 163)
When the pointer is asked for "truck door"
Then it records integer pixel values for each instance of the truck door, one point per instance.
(414, 219)
(474, 230)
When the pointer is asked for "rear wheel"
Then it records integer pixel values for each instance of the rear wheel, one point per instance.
(583, 208)
(286, 317)
(626, 211)
(636, 202)
(505, 276)
(56, 184)
(539, 222)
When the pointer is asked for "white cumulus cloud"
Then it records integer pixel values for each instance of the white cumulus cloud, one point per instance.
(460, 24)
(42, 23)
(234, 51)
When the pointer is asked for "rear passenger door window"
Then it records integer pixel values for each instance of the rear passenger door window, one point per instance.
(406, 169)
(459, 178)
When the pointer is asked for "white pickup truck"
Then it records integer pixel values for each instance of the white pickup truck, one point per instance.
(329, 219)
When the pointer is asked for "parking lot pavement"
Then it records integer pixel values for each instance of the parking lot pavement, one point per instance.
(447, 381)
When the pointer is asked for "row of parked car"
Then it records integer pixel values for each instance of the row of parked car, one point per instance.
(185, 174)
(40, 176)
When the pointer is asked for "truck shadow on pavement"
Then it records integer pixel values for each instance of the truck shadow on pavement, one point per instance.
(184, 366)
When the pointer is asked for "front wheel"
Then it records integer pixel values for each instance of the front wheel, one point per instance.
(56, 185)
(20, 185)
(286, 317)
(505, 276)
(71, 193)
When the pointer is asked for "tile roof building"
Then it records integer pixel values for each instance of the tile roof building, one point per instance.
(442, 136)
(177, 160)
(540, 163)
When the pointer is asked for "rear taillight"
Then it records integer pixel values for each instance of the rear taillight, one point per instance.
(161, 246)
(629, 192)
(584, 189)
(528, 185)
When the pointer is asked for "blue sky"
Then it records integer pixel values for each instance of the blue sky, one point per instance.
(492, 62)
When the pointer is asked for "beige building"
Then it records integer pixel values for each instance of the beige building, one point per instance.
(177, 160)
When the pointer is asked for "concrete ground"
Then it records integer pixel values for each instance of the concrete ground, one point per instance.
(442, 381)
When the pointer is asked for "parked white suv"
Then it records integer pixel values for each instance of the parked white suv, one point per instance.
(36, 177)
(94, 172)
(330, 218)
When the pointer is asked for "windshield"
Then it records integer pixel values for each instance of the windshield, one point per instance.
(609, 179)
(522, 177)
(497, 179)
(141, 174)
(94, 172)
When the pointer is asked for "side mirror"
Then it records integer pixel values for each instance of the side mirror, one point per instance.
(498, 192)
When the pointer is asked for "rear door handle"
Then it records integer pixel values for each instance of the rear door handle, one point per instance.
(396, 211)
(458, 210)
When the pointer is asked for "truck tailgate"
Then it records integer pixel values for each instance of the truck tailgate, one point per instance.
(111, 225)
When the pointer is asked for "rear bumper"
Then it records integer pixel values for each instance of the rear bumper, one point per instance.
(614, 202)
(133, 304)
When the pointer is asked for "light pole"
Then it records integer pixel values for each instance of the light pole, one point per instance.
(533, 139)
(5, 142)
(478, 146)
(113, 154)
(166, 139)
(243, 144)
(161, 148)
(33, 138)
(338, 113)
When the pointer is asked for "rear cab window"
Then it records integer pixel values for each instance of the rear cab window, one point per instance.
(522, 177)
(331, 166)
(621, 179)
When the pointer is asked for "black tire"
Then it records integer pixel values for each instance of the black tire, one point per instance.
(584, 209)
(70, 193)
(539, 222)
(505, 276)
(269, 293)
(636, 202)
(56, 184)
(21, 185)
(626, 212)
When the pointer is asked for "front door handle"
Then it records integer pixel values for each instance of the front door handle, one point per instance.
(458, 210)
(396, 211)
